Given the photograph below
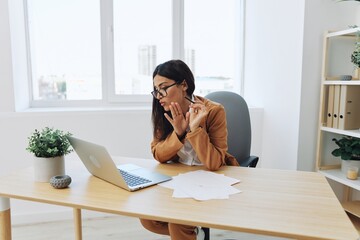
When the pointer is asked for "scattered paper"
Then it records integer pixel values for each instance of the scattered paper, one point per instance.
(202, 185)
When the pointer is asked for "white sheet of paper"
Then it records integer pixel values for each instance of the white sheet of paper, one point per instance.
(207, 178)
(202, 193)
(202, 185)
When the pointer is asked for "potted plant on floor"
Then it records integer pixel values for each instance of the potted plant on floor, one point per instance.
(49, 147)
(348, 150)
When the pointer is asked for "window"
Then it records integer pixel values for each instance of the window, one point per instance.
(141, 44)
(210, 43)
(104, 52)
(65, 49)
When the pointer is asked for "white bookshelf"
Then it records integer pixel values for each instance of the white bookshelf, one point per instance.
(338, 47)
(338, 176)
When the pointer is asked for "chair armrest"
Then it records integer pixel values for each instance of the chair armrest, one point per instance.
(251, 161)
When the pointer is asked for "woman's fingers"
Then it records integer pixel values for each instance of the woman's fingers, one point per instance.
(198, 111)
(177, 118)
(196, 107)
(172, 110)
(168, 117)
(175, 109)
(187, 118)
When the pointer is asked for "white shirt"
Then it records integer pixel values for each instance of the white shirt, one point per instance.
(187, 155)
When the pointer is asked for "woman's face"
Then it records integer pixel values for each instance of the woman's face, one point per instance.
(175, 93)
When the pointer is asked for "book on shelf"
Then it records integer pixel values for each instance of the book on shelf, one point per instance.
(336, 106)
(343, 107)
(329, 121)
(349, 107)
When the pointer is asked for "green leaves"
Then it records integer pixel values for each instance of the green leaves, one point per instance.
(49, 142)
(355, 56)
(349, 148)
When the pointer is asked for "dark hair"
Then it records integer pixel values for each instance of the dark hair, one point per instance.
(178, 71)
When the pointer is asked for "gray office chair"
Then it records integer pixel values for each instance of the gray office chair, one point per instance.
(239, 130)
(238, 125)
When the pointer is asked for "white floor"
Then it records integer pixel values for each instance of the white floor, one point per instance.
(109, 228)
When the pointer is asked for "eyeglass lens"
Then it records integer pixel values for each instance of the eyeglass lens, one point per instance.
(161, 91)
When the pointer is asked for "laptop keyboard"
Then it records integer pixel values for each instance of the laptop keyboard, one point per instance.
(133, 180)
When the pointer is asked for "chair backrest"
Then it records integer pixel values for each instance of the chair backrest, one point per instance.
(238, 123)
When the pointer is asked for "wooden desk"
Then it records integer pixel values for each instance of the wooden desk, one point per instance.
(291, 204)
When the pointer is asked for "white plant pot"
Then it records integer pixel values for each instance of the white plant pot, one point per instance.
(45, 168)
(345, 164)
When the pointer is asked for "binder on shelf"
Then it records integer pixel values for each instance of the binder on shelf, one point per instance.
(330, 103)
(336, 106)
(349, 108)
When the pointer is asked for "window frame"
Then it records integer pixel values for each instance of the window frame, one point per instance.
(109, 98)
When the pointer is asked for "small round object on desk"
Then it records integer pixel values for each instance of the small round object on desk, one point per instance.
(60, 181)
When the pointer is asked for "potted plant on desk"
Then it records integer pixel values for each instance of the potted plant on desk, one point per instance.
(49, 147)
(348, 150)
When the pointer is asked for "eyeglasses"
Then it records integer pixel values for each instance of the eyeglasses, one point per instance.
(161, 91)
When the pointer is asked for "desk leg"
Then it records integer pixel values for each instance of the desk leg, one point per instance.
(5, 219)
(77, 223)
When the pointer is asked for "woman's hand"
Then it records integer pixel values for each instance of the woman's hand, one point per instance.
(178, 120)
(196, 113)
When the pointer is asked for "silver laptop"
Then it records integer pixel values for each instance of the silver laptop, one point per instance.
(100, 164)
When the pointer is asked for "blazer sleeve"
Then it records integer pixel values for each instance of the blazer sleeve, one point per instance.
(209, 140)
(167, 149)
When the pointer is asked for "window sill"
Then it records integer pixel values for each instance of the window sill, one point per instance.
(86, 109)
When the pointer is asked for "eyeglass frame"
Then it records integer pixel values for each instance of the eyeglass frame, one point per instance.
(156, 92)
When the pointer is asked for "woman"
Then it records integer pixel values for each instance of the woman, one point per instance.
(186, 128)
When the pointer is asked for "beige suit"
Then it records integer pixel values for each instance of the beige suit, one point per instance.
(209, 140)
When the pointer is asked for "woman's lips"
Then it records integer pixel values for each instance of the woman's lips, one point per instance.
(165, 106)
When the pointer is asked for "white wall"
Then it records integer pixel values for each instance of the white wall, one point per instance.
(273, 64)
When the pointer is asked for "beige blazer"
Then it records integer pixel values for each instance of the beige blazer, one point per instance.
(209, 140)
